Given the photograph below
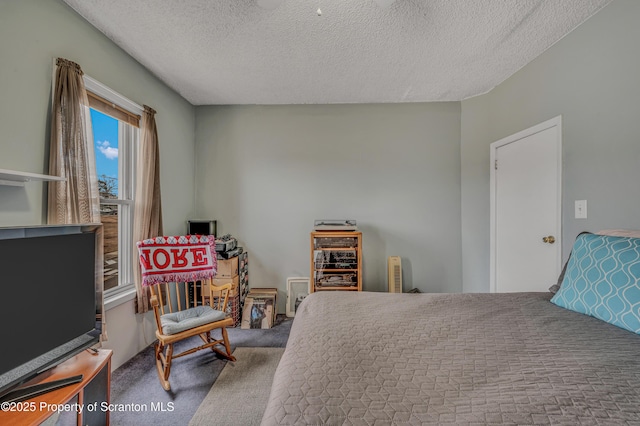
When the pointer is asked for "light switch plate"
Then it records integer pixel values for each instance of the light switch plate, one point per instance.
(581, 209)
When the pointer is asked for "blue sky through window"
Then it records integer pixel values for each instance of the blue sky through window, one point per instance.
(105, 139)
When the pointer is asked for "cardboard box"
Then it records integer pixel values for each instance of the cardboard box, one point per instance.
(235, 285)
(227, 268)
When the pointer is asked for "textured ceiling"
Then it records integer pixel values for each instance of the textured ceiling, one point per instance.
(236, 52)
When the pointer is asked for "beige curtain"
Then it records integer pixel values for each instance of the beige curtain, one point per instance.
(148, 206)
(71, 151)
(71, 156)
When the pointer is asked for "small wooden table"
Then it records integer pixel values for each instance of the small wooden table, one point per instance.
(92, 394)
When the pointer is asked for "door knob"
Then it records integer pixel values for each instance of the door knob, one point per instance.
(550, 239)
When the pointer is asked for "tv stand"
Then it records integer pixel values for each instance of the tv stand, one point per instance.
(84, 379)
(28, 392)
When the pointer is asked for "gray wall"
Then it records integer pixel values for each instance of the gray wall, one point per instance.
(591, 78)
(265, 173)
(32, 33)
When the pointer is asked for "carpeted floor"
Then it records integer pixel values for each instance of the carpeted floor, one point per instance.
(135, 384)
(241, 392)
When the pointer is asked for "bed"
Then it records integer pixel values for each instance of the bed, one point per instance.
(513, 358)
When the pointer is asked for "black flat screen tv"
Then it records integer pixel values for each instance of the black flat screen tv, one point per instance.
(50, 298)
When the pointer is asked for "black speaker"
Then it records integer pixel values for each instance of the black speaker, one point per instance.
(201, 227)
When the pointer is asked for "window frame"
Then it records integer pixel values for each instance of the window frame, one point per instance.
(128, 139)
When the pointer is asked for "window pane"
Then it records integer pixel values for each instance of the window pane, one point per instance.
(109, 219)
(105, 138)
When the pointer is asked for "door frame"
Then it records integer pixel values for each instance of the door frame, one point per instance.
(554, 122)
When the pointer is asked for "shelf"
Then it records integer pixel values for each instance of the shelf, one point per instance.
(336, 248)
(15, 178)
(352, 288)
(336, 270)
(336, 261)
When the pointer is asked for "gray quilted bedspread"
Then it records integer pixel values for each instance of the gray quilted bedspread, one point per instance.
(379, 358)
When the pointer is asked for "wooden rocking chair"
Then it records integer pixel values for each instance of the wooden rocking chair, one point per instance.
(180, 312)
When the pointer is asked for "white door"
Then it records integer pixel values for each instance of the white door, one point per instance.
(526, 174)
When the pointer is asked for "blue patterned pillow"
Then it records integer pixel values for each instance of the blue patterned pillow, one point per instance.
(603, 280)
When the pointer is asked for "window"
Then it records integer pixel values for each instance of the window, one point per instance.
(115, 136)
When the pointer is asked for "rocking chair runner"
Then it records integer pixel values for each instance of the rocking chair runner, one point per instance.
(184, 260)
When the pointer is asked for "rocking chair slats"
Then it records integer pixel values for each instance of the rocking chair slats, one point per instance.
(179, 298)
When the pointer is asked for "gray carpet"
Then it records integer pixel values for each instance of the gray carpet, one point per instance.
(192, 376)
(239, 395)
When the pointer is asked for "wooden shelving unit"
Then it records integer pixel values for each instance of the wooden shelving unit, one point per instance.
(336, 260)
(15, 178)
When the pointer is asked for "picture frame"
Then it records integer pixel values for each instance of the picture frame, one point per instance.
(297, 289)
